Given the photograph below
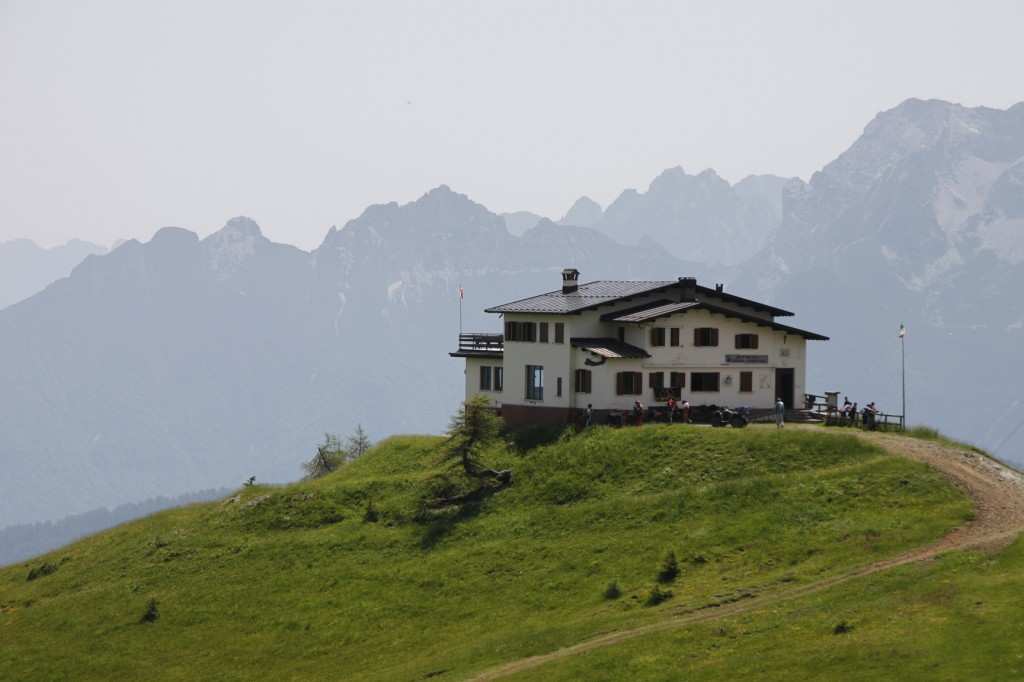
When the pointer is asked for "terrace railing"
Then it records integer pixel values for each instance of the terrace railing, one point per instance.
(481, 341)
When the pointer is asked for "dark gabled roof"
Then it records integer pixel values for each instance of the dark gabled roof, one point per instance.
(589, 295)
(656, 309)
(650, 311)
(609, 348)
(729, 312)
(603, 292)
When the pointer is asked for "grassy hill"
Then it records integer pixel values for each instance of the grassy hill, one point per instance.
(347, 578)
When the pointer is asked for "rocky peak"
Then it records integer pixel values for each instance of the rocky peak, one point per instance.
(585, 212)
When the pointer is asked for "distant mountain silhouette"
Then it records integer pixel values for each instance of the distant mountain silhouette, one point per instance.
(26, 268)
(920, 221)
(697, 217)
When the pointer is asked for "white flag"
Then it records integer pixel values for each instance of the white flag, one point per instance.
(903, 331)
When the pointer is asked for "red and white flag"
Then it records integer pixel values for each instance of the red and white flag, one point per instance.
(462, 293)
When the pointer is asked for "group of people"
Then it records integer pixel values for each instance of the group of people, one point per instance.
(849, 412)
(638, 412)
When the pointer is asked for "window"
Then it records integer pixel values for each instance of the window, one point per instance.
(543, 332)
(485, 378)
(520, 331)
(656, 380)
(674, 337)
(534, 382)
(559, 332)
(558, 387)
(499, 379)
(583, 381)
(704, 382)
(705, 336)
(657, 336)
(677, 379)
(746, 341)
(746, 382)
(622, 334)
(629, 383)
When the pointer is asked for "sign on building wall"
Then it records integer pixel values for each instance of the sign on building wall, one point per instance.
(746, 359)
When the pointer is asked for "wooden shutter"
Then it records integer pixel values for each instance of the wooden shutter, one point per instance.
(620, 383)
(714, 336)
(559, 332)
(674, 336)
(543, 332)
(746, 382)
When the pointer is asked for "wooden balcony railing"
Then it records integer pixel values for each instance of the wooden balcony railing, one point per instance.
(479, 341)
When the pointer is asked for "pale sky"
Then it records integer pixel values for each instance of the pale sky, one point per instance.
(118, 118)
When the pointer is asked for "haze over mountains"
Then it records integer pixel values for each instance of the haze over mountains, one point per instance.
(26, 268)
(183, 363)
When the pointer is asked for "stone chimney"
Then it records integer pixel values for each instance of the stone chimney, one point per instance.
(688, 289)
(570, 280)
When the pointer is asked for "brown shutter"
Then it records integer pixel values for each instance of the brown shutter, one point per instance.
(714, 336)
(620, 380)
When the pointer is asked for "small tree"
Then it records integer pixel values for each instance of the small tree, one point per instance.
(357, 445)
(473, 426)
(329, 456)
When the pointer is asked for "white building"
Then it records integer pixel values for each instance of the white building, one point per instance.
(609, 343)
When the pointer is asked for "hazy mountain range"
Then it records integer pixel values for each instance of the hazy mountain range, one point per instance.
(183, 363)
(26, 268)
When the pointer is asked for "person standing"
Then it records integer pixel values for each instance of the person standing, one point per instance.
(671, 404)
(684, 411)
(588, 416)
(780, 413)
(638, 413)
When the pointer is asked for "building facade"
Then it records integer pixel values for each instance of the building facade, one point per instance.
(609, 343)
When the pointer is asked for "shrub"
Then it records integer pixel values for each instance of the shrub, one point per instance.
(842, 628)
(41, 570)
(371, 515)
(612, 591)
(657, 595)
(151, 614)
(669, 568)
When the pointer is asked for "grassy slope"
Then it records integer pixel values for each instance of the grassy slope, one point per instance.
(291, 583)
(956, 618)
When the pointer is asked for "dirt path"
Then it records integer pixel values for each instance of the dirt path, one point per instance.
(996, 491)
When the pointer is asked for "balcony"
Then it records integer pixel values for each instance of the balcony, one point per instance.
(480, 345)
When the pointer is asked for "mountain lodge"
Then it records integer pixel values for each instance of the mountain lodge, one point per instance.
(609, 343)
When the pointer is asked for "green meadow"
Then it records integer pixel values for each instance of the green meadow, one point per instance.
(348, 577)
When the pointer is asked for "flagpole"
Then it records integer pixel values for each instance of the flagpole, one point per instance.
(903, 370)
(460, 309)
